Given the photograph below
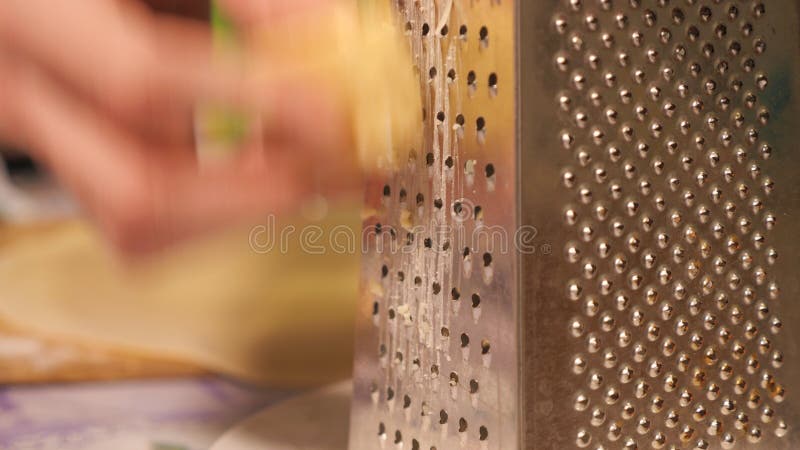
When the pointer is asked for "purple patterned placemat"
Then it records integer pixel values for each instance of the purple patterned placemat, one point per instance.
(171, 414)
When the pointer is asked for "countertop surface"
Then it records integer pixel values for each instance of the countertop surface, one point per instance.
(188, 413)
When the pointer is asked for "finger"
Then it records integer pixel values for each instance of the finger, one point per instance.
(185, 8)
(190, 203)
(138, 198)
(252, 12)
(139, 68)
(313, 119)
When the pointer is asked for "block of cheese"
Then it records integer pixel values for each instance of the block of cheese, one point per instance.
(360, 55)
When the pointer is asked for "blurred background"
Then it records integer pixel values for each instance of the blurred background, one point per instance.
(164, 352)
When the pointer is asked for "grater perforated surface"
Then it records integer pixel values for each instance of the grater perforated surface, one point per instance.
(672, 147)
(435, 359)
(650, 144)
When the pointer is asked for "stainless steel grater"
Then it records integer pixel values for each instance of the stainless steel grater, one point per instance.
(595, 245)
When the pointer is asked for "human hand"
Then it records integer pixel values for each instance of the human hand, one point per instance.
(103, 92)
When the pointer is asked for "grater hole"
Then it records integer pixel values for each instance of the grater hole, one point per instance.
(476, 300)
(720, 31)
(412, 157)
(480, 124)
(462, 425)
(443, 417)
(455, 294)
(426, 29)
(733, 12)
(489, 171)
(678, 16)
(759, 46)
(464, 342)
(398, 438)
(483, 433)
(487, 259)
(485, 347)
(483, 34)
(705, 13)
(478, 213)
(453, 379)
(693, 33)
(458, 209)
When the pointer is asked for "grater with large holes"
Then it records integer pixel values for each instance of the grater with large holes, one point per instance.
(594, 246)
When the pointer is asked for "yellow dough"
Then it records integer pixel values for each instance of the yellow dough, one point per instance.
(279, 319)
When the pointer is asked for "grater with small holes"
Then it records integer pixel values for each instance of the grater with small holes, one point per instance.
(594, 245)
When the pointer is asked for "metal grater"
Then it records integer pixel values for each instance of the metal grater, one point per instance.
(594, 247)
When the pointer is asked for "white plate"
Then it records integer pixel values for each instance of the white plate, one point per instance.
(316, 421)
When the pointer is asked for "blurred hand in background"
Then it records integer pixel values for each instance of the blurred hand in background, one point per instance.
(102, 92)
